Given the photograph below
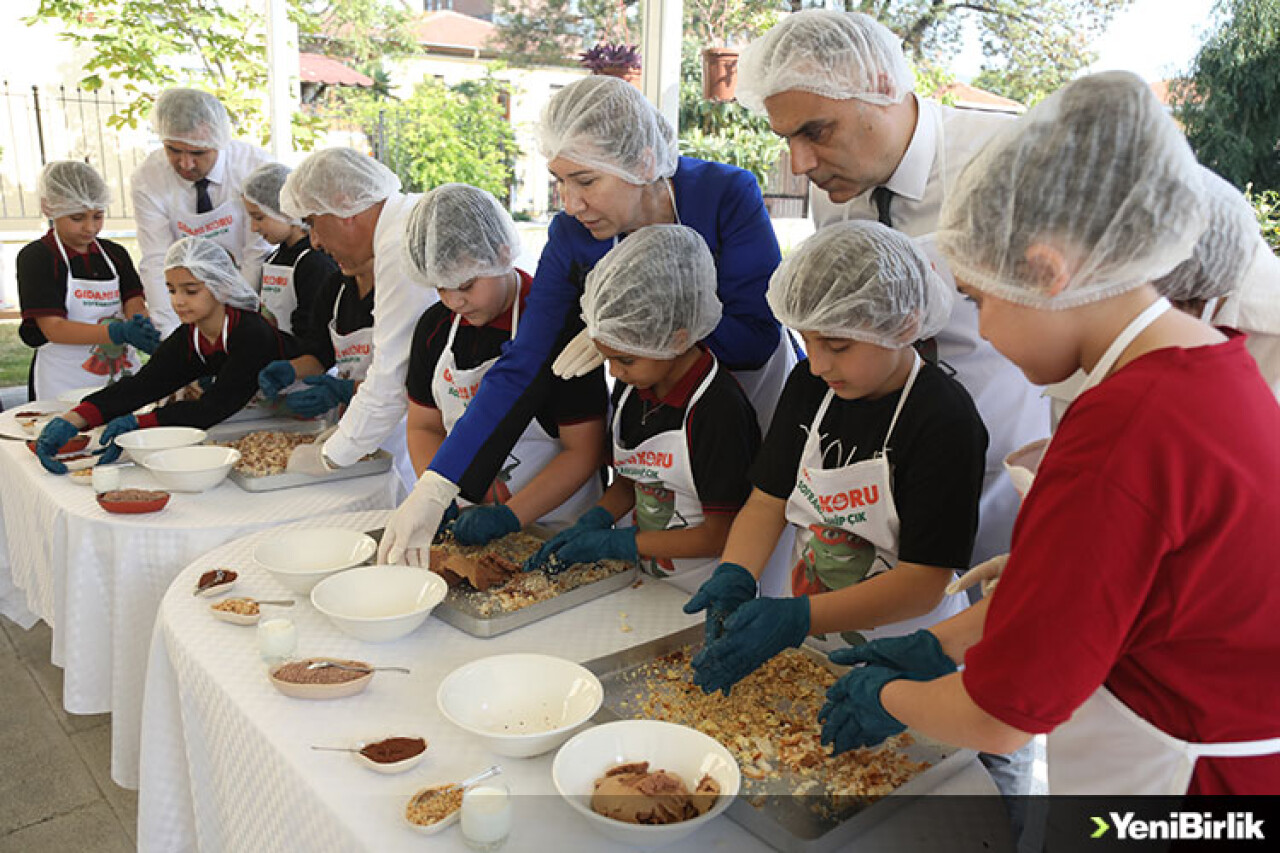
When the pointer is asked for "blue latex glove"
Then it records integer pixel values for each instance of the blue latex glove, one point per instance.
(591, 546)
(138, 332)
(729, 587)
(917, 655)
(448, 519)
(324, 392)
(116, 427)
(757, 631)
(480, 525)
(853, 715)
(55, 434)
(596, 518)
(276, 376)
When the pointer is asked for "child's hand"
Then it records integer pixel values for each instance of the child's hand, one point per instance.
(596, 518)
(756, 632)
(592, 546)
(918, 655)
(729, 587)
(480, 525)
(853, 715)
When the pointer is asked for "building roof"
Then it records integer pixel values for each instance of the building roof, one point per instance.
(314, 68)
(971, 97)
(448, 29)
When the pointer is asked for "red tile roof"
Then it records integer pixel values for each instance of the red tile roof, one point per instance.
(315, 68)
(450, 29)
(965, 95)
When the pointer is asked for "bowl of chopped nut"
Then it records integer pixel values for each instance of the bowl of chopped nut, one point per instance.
(299, 559)
(379, 603)
(141, 443)
(321, 678)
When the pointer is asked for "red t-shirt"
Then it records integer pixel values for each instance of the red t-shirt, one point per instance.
(1147, 556)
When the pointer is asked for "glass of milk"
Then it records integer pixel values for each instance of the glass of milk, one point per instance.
(486, 815)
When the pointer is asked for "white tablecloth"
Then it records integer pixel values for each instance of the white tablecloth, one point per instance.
(227, 764)
(97, 578)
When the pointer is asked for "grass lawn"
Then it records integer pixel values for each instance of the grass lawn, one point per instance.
(15, 356)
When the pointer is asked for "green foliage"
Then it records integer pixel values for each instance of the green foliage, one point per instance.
(725, 23)
(553, 32)
(360, 31)
(1228, 105)
(442, 134)
(930, 78)
(1266, 206)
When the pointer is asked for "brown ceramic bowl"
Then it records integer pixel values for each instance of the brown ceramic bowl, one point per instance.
(132, 501)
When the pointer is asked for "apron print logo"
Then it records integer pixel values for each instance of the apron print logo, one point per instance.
(109, 360)
(656, 510)
(832, 559)
(499, 492)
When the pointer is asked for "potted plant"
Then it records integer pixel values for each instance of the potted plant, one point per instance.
(614, 60)
(720, 24)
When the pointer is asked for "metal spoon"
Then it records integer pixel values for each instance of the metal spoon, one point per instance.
(325, 664)
(282, 602)
(464, 784)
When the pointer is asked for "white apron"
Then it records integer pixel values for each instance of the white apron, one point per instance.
(666, 495)
(279, 297)
(63, 367)
(225, 225)
(847, 525)
(454, 388)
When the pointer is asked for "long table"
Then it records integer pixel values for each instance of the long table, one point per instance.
(227, 762)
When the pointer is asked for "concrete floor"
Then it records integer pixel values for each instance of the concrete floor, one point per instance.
(56, 792)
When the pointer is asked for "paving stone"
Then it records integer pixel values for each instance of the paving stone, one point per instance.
(94, 747)
(90, 828)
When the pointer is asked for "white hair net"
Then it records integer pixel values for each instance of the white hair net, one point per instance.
(70, 186)
(837, 55)
(337, 181)
(654, 294)
(1224, 251)
(213, 267)
(191, 117)
(457, 232)
(605, 123)
(861, 281)
(262, 187)
(1097, 174)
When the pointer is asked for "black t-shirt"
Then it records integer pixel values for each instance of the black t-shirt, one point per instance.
(311, 271)
(570, 401)
(937, 456)
(355, 312)
(723, 434)
(42, 280)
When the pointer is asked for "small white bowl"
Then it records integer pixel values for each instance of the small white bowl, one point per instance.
(141, 443)
(379, 603)
(1023, 463)
(192, 469)
(520, 705)
(666, 746)
(77, 395)
(430, 828)
(394, 766)
(235, 618)
(300, 559)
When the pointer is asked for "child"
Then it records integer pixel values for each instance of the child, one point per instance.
(221, 335)
(683, 429)
(875, 457)
(75, 290)
(460, 241)
(1134, 621)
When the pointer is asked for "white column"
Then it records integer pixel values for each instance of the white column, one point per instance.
(660, 50)
(282, 77)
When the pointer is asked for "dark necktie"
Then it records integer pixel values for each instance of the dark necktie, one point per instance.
(883, 197)
(204, 204)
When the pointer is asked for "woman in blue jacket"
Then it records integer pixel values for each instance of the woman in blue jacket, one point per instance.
(617, 168)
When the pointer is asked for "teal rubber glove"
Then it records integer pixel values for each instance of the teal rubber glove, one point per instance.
(324, 393)
(116, 427)
(480, 525)
(729, 587)
(138, 332)
(592, 546)
(918, 655)
(276, 376)
(447, 520)
(55, 434)
(853, 715)
(596, 518)
(757, 631)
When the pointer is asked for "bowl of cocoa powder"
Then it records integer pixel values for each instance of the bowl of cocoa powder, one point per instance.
(392, 754)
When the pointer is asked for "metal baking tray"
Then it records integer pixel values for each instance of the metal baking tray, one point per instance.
(377, 463)
(781, 819)
(459, 612)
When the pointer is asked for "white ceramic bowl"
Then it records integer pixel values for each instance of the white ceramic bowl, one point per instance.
(1023, 463)
(520, 705)
(141, 443)
(666, 746)
(300, 559)
(192, 469)
(379, 603)
(77, 395)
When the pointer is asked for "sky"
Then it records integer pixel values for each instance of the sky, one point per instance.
(1153, 38)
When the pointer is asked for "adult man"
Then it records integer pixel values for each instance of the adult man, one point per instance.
(191, 187)
(357, 214)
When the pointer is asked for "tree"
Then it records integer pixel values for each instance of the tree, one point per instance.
(553, 32)
(1228, 104)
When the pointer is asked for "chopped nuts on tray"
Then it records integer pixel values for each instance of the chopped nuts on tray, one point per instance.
(265, 453)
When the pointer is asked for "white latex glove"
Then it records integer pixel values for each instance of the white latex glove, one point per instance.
(407, 537)
(578, 358)
(988, 574)
(309, 458)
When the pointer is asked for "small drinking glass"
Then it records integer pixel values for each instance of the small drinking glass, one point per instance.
(106, 478)
(277, 640)
(486, 815)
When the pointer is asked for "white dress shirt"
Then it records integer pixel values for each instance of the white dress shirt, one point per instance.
(158, 193)
(944, 141)
(1255, 308)
(379, 405)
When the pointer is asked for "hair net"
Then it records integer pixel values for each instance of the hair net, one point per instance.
(1096, 172)
(262, 187)
(861, 281)
(337, 181)
(605, 123)
(1224, 251)
(69, 186)
(457, 232)
(212, 266)
(191, 117)
(654, 294)
(837, 55)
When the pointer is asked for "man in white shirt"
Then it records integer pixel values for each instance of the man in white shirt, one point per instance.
(191, 186)
(357, 214)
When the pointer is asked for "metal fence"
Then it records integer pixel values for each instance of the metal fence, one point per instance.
(786, 196)
(43, 123)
